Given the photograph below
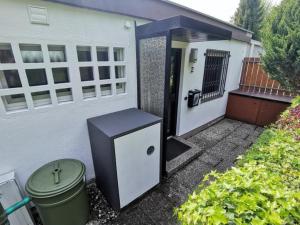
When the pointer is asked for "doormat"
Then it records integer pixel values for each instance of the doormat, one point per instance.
(175, 148)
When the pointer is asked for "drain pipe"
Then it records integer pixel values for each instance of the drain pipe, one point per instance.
(4, 213)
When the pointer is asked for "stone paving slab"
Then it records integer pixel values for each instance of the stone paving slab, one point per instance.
(193, 173)
(159, 207)
(210, 158)
(175, 191)
(220, 145)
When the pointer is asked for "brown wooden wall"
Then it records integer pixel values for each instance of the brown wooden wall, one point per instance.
(254, 110)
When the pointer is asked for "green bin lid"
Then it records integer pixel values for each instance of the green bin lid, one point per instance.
(55, 178)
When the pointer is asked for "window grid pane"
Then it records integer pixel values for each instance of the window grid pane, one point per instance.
(104, 72)
(57, 53)
(41, 98)
(64, 95)
(84, 53)
(102, 53)
(119, 54)
(14, 102)
(106, 89)
(36, 77)
(89, 92)
(10, 79)
(120, 71)
(60, 75)
(31, 53)
(86, 73)
(6, 53)
(121, 88)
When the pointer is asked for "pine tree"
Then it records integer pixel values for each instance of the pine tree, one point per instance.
(250, 15)
(281, 42)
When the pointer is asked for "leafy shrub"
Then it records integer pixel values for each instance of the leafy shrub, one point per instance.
(264, 187)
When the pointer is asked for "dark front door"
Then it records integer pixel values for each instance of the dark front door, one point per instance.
(173, 90)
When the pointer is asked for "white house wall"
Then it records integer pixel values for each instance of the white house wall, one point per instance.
(191, 118)
(35, 136)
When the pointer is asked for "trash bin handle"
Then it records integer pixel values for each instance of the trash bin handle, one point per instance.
(56, 173)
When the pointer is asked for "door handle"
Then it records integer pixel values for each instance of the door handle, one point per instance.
(150, 150)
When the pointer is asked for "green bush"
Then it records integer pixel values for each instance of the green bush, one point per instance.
(264, 187)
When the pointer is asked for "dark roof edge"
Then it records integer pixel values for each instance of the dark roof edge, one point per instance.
(206, 15)
(242, 34)
(74, 4)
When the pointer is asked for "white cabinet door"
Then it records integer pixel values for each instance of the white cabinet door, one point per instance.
(138, 171)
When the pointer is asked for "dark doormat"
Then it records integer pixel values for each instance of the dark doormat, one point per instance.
(175, 148)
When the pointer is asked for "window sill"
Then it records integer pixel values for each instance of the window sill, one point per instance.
(215, 95)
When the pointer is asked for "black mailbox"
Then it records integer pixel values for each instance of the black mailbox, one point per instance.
(194, 98)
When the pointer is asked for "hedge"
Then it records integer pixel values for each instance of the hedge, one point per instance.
(263, 187)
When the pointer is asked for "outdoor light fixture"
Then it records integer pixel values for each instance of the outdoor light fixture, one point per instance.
(127, 25)
(193, 57)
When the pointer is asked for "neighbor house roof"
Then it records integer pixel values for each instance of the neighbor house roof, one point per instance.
(156, 10)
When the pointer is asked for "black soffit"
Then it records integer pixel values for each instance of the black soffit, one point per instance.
(184, 29)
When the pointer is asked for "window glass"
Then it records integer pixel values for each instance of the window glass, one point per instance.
(31, 53)
(84, 53)
(10, 79)
(86, 73)
(105, 89)
(120, 71)
(89, 92)
(6, 53)
(104, 72)
(60, 75)
(121, 88)
(57, 53)
(119, 54)
(64, 95)
(215, 73)
(41, 98)
(102, 54)
(14, 102)
(36, 77)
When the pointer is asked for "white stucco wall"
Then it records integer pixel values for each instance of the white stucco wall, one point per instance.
(34, 137)
(255, 49)
(191, 118)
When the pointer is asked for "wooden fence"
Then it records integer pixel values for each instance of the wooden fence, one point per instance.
(255, 80)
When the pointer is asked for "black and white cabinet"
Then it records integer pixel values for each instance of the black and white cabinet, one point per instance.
(126, 149)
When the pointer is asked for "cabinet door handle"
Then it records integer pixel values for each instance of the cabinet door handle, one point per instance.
(150, 150)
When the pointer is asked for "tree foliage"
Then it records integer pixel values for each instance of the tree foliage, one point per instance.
(263, 189)
(281, 42)
(250, 15)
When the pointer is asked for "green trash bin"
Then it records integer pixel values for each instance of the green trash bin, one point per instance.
(58, 191)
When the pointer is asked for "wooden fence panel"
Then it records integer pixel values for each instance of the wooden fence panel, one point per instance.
(255, 80)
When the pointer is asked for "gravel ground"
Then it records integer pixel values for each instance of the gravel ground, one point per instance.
(100, 211)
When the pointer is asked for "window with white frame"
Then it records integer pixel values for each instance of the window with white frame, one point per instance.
(25, 83)
(34, 75)
(107, 71)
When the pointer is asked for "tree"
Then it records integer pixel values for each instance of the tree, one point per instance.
(250, 15)
(281, 42)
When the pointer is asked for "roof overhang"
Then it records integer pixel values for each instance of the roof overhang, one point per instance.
(184, 29)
